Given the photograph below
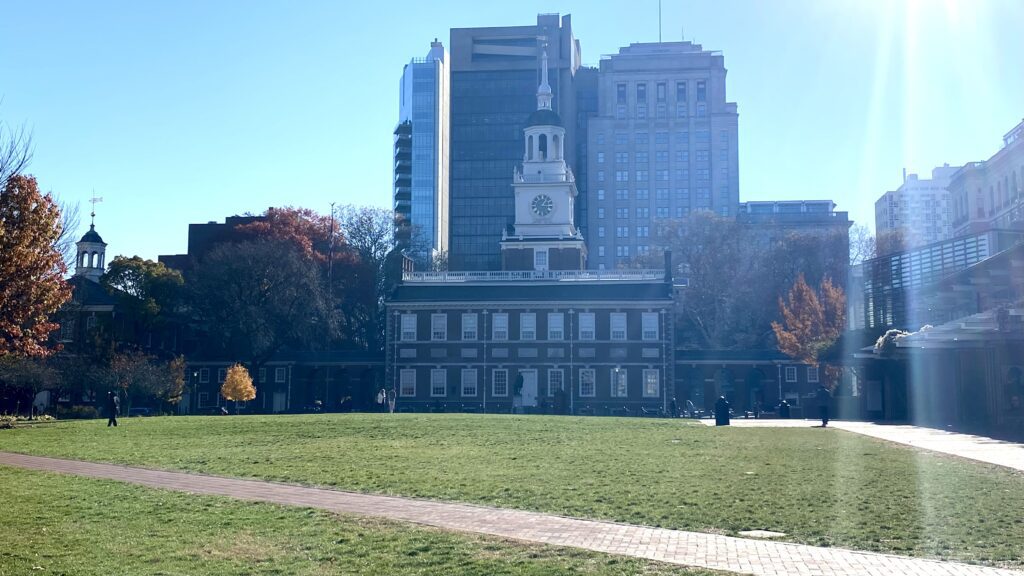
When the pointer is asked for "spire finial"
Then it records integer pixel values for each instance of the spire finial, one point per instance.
(544, 90)
(92, 215)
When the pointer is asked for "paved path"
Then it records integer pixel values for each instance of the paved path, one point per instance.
(1008, 454)
(673, 546)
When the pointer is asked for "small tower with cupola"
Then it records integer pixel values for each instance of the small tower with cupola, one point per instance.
(92, 251)
(544, 236)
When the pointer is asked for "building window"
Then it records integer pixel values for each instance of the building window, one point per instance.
(280, 375)
(680, 109)
(643, 231)
(438, 382)
(600, 175)
(469, 382)
(702, 110)
(790, 373)
(641, 111)
(622, 194)
(499, 326)
(600, 157)
(618, 326)
(407, 382)
(622, 251)
(643, 194)
(620, 383)
(660, 91)
(204, 375)
(587, 388)
(652, 384)
(641, 92)
(600, 231)
(586, 326)
(221, 375)
(661, 137)
(408, 327)
(554, 381)
(438, 326)
(621, 139)
(622, 213)
(643, 212)
(661, 212)
(650, 325)
(622, 176)
(540, 259)
(642, 157)
(600, 250)
(600, 213)
(641, 139)
(528, 326)
(600, 138)
(469, 325)
(556, 326)
(681, 92)
(702, 91)
(499, 382)
(812, 374)
(600, 194)
(622, 231)
(620, 93)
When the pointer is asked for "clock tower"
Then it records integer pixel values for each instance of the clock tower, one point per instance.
(544, 236)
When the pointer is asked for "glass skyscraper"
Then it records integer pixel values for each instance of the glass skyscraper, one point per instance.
(494, 76)
(421, 156)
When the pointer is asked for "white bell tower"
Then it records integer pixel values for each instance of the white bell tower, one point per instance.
(92, 250)
(545, 195)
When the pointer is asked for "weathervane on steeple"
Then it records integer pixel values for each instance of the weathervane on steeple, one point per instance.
(92, 215)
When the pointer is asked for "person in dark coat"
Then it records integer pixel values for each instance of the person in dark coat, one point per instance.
(113, 408)
(721, 411)
(784, 409)
(674, 408)
(824, 404)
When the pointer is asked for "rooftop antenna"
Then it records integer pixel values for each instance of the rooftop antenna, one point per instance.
(92, 215)
(659, 21)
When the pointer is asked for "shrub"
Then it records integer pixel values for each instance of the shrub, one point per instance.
(7, 422)
(77, 412)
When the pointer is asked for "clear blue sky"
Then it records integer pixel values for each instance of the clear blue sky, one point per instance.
(189, 111)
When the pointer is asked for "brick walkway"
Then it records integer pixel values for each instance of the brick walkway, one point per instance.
(673, 546)
(980, 448)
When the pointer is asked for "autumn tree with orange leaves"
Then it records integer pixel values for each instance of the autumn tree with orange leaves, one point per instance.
(32, 269)
(811, 322)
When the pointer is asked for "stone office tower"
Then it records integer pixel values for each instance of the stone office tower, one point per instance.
(494, 78)
(664, 144)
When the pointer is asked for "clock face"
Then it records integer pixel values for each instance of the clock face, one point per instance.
(542, 205)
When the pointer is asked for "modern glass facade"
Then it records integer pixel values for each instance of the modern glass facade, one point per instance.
(422, 157)
(494, 77)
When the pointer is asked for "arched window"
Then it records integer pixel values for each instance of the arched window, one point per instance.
(543, 148)
(81, 259)
(102, 258)
(556, 144)
(93, 260)
(529, 147)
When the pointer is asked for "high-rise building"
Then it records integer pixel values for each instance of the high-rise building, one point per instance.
(918, 210)
(663, 144)
(494, 78)
(990, 195)
(422, 155)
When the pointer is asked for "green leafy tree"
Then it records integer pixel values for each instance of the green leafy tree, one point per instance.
(149, 287)
(32, 269)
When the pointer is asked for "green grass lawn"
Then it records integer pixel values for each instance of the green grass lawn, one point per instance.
(821, 487)
(55, 524)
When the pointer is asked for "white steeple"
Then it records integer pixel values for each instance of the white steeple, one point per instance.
(544, 90)
(92, 250)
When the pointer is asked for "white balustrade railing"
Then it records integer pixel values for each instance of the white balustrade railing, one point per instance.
(534, 275)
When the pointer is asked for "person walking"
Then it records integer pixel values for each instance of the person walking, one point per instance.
(721, 411)
(392, 398)
(673, 408)
(113, 408)
(824, 404)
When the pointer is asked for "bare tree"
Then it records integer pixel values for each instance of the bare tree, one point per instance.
(862, 244)
(69, 222)
(15, 151)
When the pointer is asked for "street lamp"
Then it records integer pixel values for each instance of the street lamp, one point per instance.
(483, 337)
